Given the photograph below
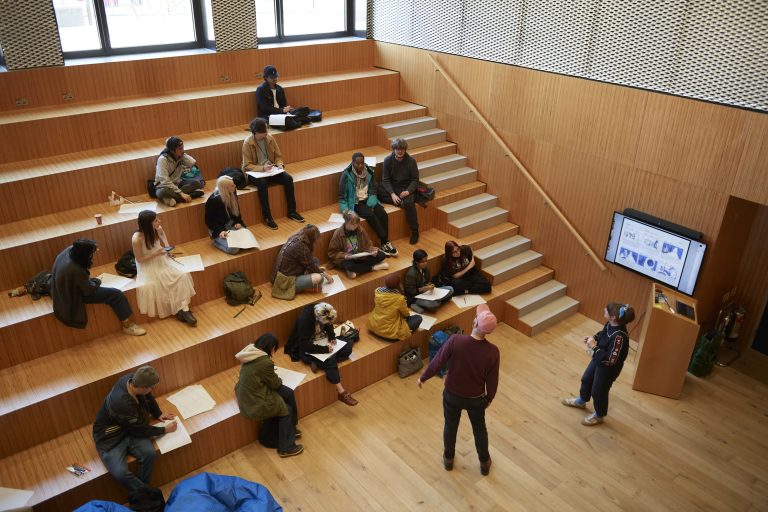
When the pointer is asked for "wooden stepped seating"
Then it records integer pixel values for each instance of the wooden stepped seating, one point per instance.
(68, 129)
(540, 308)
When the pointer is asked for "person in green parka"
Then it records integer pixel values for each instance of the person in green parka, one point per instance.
(262, 396)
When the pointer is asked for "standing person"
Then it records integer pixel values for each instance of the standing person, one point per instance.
(296, 262)
(270, 97)
(164, 287)
(122, 427)
(262, 396)
(313, 334)
(399, 181)
(72, 287)
(470, 384)
(417, 282)
(390, 318)
(357, 192)
(607, 349)
(222, 214)
(458, 269)
(262, 154)
(170, 185)
(350, 239)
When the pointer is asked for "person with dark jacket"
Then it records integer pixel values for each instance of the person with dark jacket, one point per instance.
(270, 97)
(170, 184)
(222, 214)
(262, 396)
(295, 260)
(72, 287)
(608, 349)
(457, 268)
(122, 427)
(417, 281)
(346, 244)
(357, 192)
(313, 334)
(399, 181)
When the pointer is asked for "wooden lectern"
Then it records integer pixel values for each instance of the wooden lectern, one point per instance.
(666, 343)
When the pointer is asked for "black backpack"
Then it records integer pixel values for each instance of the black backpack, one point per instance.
(237, 175)
(238, 289)
(126, 265)
(146, 499)
(39, 285)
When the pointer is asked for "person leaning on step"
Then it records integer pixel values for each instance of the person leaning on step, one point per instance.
(170, 186)
(122, 428)
(399, 181)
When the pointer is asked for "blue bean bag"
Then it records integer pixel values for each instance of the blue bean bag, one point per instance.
(208, 492)
(102, 506)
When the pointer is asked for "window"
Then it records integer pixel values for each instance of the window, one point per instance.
(293, 20)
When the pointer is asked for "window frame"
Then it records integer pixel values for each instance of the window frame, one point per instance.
(349, 6)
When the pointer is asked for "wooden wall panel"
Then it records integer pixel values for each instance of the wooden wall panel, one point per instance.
(751, 180)
(752, 278)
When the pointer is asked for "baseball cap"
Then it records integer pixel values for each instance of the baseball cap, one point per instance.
(270, 72)
(486, 321)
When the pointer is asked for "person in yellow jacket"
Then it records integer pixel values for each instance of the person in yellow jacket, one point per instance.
(391, 319)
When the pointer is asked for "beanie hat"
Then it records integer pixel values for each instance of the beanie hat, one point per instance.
(270, 72)
(145, 377)
(392, 281)
(486, 321)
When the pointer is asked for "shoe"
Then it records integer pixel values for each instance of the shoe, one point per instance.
(134, 330)
(295, 216)
(485, 467)
(447, 463)
(351, 274)
(195, 194)
(416, 308)
(592, 420)
(414, 238)
(574, 402)
(313, 367)
(347, 399)
(294, 450)
(186, 317)
(270, 222)
(169, 201)
(381, 266)
(388, 249)
(298, 433)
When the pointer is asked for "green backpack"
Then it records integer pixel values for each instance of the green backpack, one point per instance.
(705, 354)
(238, 289)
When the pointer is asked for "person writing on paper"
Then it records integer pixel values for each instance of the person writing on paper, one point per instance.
(313, 334)
(399, 181)
(122, 427)
(262, 154)
(270, 97)
(262, 396)
(357, 192)
(164, 288)
(296, 262)
(607, 350)
(350, 239)
(470, 384)
(417, 282)
(459, 271)
(390, 318)
(177, 178)
(72, 287)
(222, 214)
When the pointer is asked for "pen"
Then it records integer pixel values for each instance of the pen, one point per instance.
(238, 313)
(464, 299)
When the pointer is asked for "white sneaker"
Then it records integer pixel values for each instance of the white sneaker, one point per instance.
(134, 330)
(381, 266)
(169, 201)
(592, 420)
(351, 274)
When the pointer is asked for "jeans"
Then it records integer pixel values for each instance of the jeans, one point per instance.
(330, 365)
(362, 265)
(413, 321)
(596, 383)
(114, 298)
(114, 460)
(434, 304)
(452, 407)
(376, 217)
(221, 244)
(281, 429)
(284, 179)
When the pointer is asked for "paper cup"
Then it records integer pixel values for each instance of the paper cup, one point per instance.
(98, 219)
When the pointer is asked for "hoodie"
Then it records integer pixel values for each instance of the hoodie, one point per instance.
(388, 316)
(256, 389)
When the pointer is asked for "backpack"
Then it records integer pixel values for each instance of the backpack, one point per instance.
(237, 175)
(39, 285)
(238, 289)
(436, 342)
(126, 265)
(705, 353)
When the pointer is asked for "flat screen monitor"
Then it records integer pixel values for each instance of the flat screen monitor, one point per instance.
(669, 258)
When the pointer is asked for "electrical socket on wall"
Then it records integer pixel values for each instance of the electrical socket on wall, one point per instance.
(20, 102)
(224, 78)
(67, 96)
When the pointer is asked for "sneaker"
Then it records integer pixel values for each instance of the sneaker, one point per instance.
(270, 222)
(381, 266)
(388, 249)
(298, 433)
(414, 238)
(351, 274)
(195, 194)
(293, 450)
(347, 399)
(134, 330)
(485, 467)
(313, 367)
(592, 420)
(169, 201)
(186, 317)
(574, 402)
(295, 216)
(447, 463)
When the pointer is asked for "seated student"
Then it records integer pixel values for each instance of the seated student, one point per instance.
(390, 318)
(122, 427)
(72, 288)
(262, 396)
(270, 97)
(170, 185)
(399, 181)
(164, 287)
(459, 271)
(262, 154)
(350, 239)
(222, 214)
(313, 334)
(295, 260)
(357, 192)
(417, 282)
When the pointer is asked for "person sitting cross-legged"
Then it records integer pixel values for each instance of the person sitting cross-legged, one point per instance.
(347, 242)
(390, 318)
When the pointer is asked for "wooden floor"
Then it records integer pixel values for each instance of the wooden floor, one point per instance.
(706, 451)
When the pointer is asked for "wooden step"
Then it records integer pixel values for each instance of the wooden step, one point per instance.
(450, 179)
(548, 315)
(512, 266)
(474, 204)
(501, 250)
(423, 137)
(536, 298)
(416, 124)
(485, 219)
(438, 165)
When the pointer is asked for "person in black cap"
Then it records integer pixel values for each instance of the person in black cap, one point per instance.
(121, 427)
(270, 97)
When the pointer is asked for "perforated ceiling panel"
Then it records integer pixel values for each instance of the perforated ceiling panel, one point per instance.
(714, 50)
(29, 34)
(234, 23)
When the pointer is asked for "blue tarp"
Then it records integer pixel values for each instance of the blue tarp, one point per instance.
(208, 492)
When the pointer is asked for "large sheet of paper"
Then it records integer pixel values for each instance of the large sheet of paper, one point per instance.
(322, 357)
(335, 287)
(359, 255)
(113, 281)
(242, 238)
(290, 378)
(370, 161)
(173, 440)
(278, 119)
(336, 218)
(467, 301)
(13, 498)
(135, 208)
(275, 170)
(435, 294)
(426, 321)
(191, 263)
(192, 400)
